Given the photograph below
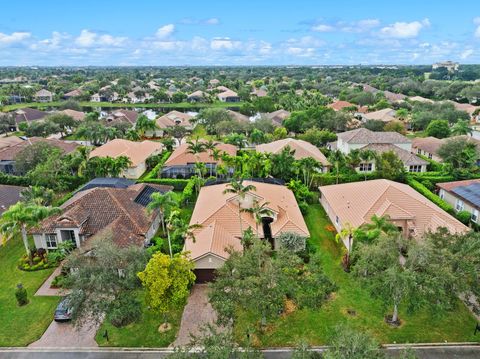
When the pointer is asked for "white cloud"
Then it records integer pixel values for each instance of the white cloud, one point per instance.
(368, 23)
(89, 38)
(165, 31)
(212, 21)
(322, 28)
(224, 43)
(476, 21)
(467, 53)
(404, 30)
(14, 37)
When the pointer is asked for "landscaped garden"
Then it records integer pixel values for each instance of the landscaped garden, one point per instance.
(22, 325)
(353, 304)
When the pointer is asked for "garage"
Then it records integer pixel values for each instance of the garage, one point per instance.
(204, 275)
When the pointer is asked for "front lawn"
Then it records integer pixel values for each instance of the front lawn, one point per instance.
(144, 333)
(22, 325)
(315, 326)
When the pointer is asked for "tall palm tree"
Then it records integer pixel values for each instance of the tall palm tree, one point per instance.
(176, 224)
(236, 187)
(353, 159)
(196, 147)
(382, 224)
(462, 127)
(307, 166)
(336, 157)
(366, 156)
(346, 236)
(209, 147)
(22, 216)
(163, 202)
(143, 125)
(258, 211)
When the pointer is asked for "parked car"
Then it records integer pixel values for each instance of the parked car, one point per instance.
(63, 313)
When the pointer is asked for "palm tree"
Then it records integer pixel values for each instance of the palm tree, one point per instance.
(462, 127)
(177, 224)
(209, 147)
(307, 166)
(381, 224)
(353, 159)
(366, 156)
(237, 188)
(21, 217)
(163, 202)
(132, 135)
(346, 236)
(336, 157)
(258, 211)
(119, 164)
(143, 125)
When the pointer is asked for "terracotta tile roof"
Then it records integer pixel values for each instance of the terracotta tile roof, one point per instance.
(385, 115)
(123, 116)
(28, 115)
(420, 99)
(355, 203)
(217, 213)
(428, 144)
(43, 93)
(227, 93)
(303, 149)
(339, 105)
(197, 93)
(365, 136)
(138, 152)
(9, 141)
(73, 93)
(394, 97)
(470, 109)
(448, 186)
(76, 115)
(237, 116)
(174, 118)
(97, 209)
(407, 157)
(10, 153)
(9, 195)
(278, 116)
(181, 157)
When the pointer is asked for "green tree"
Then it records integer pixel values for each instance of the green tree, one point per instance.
(438, 129)
(366, 156)
(167, 281)
(347, 343)
(20, 217)
(462, 127)
(389, 166)
(144, 125)
(459, 153)
(337, 159)
(164, 202)
(63, 121)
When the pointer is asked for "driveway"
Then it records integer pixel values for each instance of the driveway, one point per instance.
(66, 335)
(197, 313)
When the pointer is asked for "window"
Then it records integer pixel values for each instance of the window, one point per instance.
(430, 156)
(415, 168)
(337, 220)
(459, 205)
(51, 241)
(419, 151)
(475, 215)
(365, 167)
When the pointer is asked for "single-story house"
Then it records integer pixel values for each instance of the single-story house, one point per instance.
(9, 154)
(72, 94)
(393, 97)
(237, 116)
(277, 117)
(429, 146)
(379, 142)
(303, 149)
(27, 115)
(354, 204)
(76, 115)
(340, 105)
(462, 195)
(228, 96)
(137, 152)
(181, 163)
(197, 96)
(9, 141)
(217, 214)
(420, 99)
(126, 116)
(87, 213)
(171, 119)
(9, 195)
(43, 96)
(386, 115)
(260, 92)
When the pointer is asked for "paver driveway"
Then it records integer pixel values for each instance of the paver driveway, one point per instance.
(65, 335)
(197, 313)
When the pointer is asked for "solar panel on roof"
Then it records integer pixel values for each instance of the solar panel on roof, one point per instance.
(470, 193)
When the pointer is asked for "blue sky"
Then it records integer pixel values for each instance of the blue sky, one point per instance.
(241, 32)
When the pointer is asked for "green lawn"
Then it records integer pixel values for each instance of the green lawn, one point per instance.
(144, 333)
(316, 326)
(21, 325)
(181, 105)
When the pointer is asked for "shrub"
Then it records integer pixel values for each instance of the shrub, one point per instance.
(126, 310)
(58, 281)
(303, 207)
(292, 241)
(464, 217)
(21, 295)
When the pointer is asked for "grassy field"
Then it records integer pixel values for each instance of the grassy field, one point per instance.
(21, 325)
(144, 333)
(316, 326)
(181, 105)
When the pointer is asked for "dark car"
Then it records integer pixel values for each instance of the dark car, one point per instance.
(63, 313)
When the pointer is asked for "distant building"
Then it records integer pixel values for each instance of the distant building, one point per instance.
(43, 96)
(449, 65)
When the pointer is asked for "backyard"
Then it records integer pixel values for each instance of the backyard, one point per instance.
(354, 305)
(21, 325)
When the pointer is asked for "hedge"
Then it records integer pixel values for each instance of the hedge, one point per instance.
(14, 180)
(326, 179)
(430, 195)
(178, 184)
(153, 174)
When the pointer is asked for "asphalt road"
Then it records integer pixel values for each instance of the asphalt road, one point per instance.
(463, 352)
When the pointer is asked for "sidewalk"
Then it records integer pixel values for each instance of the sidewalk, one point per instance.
(45, 289)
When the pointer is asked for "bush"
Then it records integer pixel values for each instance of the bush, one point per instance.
(464, 217)
(126, 310)
(58, 281)
(21, 295)
(303, 207)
